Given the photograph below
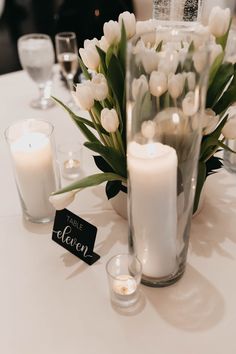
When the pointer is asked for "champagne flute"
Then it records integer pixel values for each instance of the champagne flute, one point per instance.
(67, 56)
(36, 55)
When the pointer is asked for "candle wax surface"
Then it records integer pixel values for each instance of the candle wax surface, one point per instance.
(33, 161)
(153, 206)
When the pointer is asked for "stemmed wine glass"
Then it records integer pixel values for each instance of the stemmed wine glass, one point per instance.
(67, 56)
(37, 58)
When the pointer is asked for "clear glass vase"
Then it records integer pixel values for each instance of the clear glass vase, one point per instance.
(166, 89)
(185, 12)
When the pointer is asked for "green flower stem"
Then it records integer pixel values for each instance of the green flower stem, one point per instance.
(120, 142)
(158, 103)
(92, 115)
(115, 142)
(211, 154)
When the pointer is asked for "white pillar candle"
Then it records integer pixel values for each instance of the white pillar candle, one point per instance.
(33, 163)
(153, 181)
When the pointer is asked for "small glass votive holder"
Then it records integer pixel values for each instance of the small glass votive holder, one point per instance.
(124, 275)
(70, 157)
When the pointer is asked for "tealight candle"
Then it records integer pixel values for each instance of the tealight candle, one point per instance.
(124, 274)
(70, 156)
(32, 157)
(124, 285)
(153, 179)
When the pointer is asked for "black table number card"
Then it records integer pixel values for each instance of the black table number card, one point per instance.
(76, 235)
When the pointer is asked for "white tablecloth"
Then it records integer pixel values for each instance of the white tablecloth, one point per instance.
(53, 303)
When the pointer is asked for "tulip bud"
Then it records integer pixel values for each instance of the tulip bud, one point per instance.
(191, 80)
(190, 104)
(139, 87)
(112, 32)
(148, 129)
(99, 87)
(175, 85)
(109, 120)
(84, 96)
(149, 60)
(145, 26)
(129, 23)
(215, 50)
(229, 130)
(200, 60)
(209, 121)
(103, 44)
(89, 54)
(219, 20)
(168, 62)
(60, 201)
(201, 37)
(157, 83)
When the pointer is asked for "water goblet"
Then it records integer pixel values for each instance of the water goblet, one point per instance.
(67, 56)
(36, 55)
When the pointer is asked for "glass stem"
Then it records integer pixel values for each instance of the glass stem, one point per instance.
(41, 88)
(70, 84)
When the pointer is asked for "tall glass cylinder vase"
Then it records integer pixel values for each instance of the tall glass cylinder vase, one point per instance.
(184, 12)
(32, 151)
(166, 89)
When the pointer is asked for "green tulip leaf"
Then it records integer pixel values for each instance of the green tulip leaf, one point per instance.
(221, 80)
(80, 122)
(122, 47)
(111, 156)
(102, 56)
(215, 67)
(200, 182)
(91, 181)
(84, 69)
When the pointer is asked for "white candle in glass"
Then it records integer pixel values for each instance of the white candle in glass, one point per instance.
(33, 162)
(153, 182)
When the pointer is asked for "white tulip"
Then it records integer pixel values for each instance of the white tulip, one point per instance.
(103, 44)
(139, 87)
(168, 62)
(99, 87)
(109, 120)
(183, 54)
(112, 32)
(191, 80)
(84, 95)
(219, 20)
(89, 53)
(229, 130)
(145, 26)
(215, 50)
(146, 30)
(209, 121)
(60, 201)
(190, 104)
(202, 35)
(149, 60)
(158, 83)
(175, 85)
(129, 23)
(148, 129)
(200, 60)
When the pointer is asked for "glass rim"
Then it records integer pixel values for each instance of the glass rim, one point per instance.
(65, 35)
(122, 255)
(181, 30)
(34, 36)
(24, 121)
